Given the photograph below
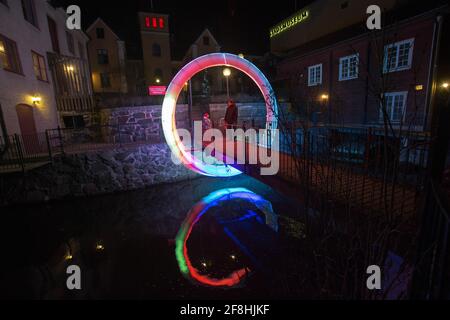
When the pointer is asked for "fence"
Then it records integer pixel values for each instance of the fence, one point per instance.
(22, 152)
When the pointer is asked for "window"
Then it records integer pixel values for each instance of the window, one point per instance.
(70, 42)
(81, 50)
(105, 81)
(100, 33)
(9, 56)
(206, 41)
(29, 12)
(102, 56)
(156, 50)
(398, 56)
(154, 22)
(315, 75)
(395, 106)
(53, 34)
(348, 67)
(344, 5)
(39, 66)
(74, 122)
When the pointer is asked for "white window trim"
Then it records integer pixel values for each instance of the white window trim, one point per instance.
(341, 78)
(398, 44)
(405, 101)
(312, 84)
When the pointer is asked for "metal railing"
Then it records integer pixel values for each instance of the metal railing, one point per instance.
(21, 152)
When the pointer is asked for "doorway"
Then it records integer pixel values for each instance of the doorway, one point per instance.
(29, 139)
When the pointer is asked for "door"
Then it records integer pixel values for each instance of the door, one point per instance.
(29, 141)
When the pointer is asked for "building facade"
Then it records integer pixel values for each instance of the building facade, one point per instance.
(361, 78)
(155, 40)
(107, 58)
(43, 68)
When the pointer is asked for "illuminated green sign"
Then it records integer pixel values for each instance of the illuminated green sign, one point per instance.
(288, 23)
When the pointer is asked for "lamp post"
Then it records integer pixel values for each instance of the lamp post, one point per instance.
(227, 74)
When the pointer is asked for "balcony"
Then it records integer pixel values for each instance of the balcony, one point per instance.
(71, 80)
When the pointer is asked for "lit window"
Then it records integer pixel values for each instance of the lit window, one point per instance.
(161, 23)
(39, 66)
(29, 12)
(105, 81)
(315, 75)
(348, 67)
(102, 56)
(9, 56)
(395, 106)
(398, 56)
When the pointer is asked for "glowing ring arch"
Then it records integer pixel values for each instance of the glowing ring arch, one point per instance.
(177, 84)
(195, 214)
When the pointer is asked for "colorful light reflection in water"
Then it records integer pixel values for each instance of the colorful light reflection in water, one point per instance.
(195, 214)
(171, 97)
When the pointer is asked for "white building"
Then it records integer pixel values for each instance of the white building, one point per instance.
(44, 75)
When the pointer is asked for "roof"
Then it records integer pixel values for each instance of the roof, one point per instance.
(401, 15)
(100, 20)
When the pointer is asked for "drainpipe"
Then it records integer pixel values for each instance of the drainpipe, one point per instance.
(432, 72)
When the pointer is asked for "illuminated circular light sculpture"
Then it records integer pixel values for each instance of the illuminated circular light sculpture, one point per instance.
(195, 214)
(176, 86)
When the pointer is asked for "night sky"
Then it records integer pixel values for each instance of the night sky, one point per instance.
(238, 26)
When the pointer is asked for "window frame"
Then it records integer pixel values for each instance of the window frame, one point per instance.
(313, 84)
(35, 21)
(70, 40)
(102, 83)
(97, 33)
(349, 57)
(397, 46)
(8, 43)
(105, 54)
(42, 68)
(390, 109)
(156, 50)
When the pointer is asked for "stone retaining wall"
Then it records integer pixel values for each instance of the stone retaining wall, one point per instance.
(94, 173)
(139, 123)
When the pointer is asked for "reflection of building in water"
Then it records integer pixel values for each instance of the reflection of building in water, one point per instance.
(200, 270)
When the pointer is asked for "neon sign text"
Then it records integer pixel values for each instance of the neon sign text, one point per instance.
(289, 23)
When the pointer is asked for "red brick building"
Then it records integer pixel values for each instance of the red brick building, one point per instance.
(359, 77)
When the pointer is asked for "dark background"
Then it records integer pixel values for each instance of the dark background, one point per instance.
(238, 26)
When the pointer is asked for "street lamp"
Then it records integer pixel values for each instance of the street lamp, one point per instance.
(227, 74)
(445, 85)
